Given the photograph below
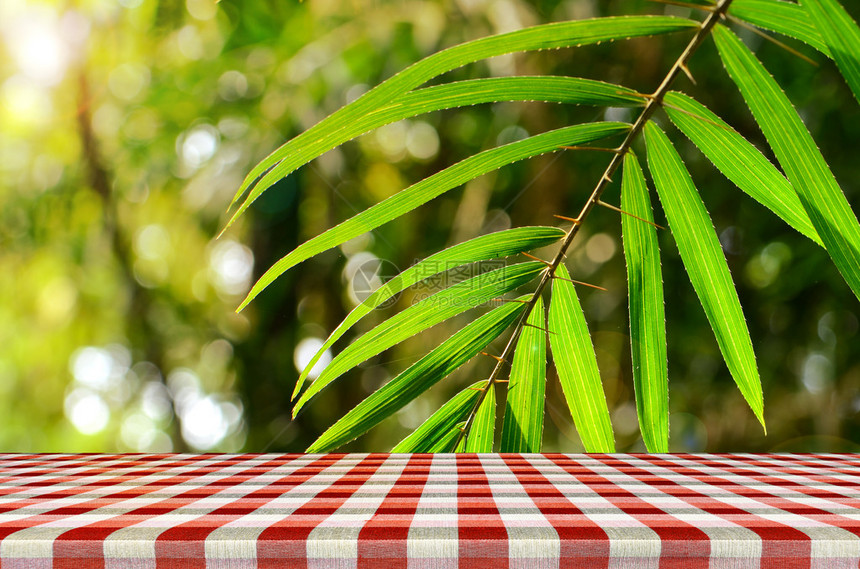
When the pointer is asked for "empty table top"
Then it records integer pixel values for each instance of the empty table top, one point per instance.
(423, 511)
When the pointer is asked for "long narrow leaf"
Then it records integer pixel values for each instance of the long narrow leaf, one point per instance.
(422, 315)
(568, 90)
(576, 363)
(435, 430)
(547, 36)
(841, 34)
(647, 317)
(426, 372)
(705, 263)
(485, 247)
(549, 89)
(480, 435)
(447, 440)
(522, 429)
(781, 17)
(739, 161)
(798, 155)
(433, 186)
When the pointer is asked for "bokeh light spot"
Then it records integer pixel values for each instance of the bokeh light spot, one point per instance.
(87, 411)
(304, 353)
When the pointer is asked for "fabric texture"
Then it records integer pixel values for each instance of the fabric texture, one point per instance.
(429, 511)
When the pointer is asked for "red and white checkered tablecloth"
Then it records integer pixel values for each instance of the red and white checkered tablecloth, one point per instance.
(429, 511)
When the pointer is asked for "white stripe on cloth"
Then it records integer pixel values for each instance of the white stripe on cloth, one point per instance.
(37, 542)
(433, 539)
(137, 542)
(247, 529)
(827, 541)
(75, 475)
(731, 545)
(236, 540)
(632, 544)
(334, 542)
(532, 541)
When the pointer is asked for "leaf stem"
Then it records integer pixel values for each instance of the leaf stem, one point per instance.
(654, 101)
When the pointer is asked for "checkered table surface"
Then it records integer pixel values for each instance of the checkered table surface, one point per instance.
(429, 511)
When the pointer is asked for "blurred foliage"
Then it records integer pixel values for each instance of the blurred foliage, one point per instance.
(125, 128)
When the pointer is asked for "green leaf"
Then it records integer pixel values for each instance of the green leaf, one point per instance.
(842, 36)
(705, 263)
(480, 435)
(326, 133)
(522, 429)
(444, 304)
(440, 428)
(549, 89)
(447, 441)
(433, 186)
(577, 366)
(781, 17)
(797, 154)
(423, 374)
(569, 90)
(739, 161)
(647, 317)
(485, 247)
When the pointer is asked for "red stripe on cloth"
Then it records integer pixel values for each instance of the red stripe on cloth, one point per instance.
(51, 478)
(679, 540)
(482, 534)
(822, 474)
(86, 538)
(783, 543)
(583, 542)
(8, 528)
(756, 472)
(283, 543)
(184, 545)
(184, 550)
(780, 542)
(382, 541)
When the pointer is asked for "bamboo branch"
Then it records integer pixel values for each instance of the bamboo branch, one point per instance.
(654, 102)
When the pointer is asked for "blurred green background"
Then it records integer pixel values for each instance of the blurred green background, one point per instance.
(126, 126)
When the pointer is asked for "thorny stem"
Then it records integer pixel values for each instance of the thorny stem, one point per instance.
(654, 101)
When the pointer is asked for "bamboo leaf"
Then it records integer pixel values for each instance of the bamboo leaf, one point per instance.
(426, 372)
(739, 161)
(480, 435)
(547, 36)
(647, 317)
(577, 366)
(448, 439)
(705, 263)
(549, 89)
(522, 429)
(422, 315)
(568, 90)
(798, 155)
(781, 17)
(440, 428)
(433, 186)
(486, 247)
(842, 36)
